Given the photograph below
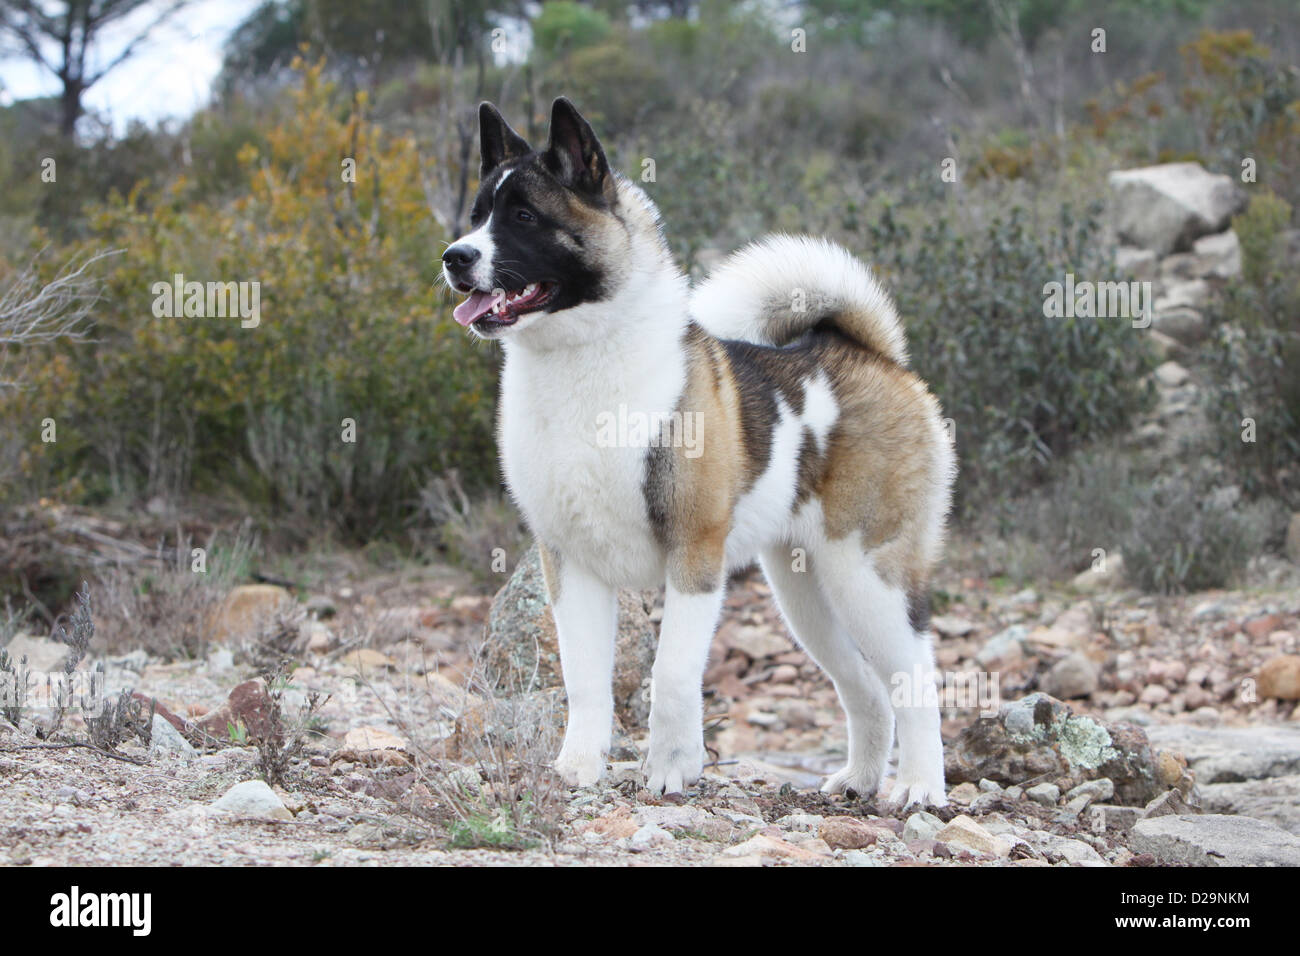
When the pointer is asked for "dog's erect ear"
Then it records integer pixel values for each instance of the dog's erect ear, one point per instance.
(497, 141)
(573, 153)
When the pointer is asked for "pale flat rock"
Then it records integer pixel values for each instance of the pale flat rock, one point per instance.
(1276, 800)
(1228, 754)
(1215, 839)
(42, 653)
(362, 739)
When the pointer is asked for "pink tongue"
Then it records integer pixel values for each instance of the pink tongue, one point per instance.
(478, 304)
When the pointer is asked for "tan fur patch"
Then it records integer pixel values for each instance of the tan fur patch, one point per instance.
(551, 562)
(695, 496)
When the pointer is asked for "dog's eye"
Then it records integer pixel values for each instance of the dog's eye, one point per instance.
(525, 215)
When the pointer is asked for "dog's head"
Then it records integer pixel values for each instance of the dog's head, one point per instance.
(545, 236)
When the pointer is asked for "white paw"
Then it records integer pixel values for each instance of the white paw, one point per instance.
(910, 792)
(863, 782)
(673, 769)
(580, 767)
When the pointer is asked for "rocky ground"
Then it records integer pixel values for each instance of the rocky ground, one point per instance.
(1171, 736)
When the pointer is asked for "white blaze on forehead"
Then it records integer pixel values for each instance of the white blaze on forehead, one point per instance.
(502, 181)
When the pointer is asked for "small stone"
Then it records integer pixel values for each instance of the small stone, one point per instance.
(1045, 793)
(989, 786)
(246, 610)
(1004, 647)
(650, 836)
(1279, 678)
(1100, 789)
(1109, 574)
(253, 798)
(921, 826)
(362, 739)
(164, 738)
(1169, 767)
(1172, 375)
(1169, 803)
(762, 846)
(1154, 694)
(963, 794)
(964, 832)
(858, 858)
(848, 833)
(950, 626)
(1074, 675)
(684, 817)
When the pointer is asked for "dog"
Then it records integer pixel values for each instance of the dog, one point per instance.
(775, 419)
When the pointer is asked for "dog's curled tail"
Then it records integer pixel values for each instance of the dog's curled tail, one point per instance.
(773, 290)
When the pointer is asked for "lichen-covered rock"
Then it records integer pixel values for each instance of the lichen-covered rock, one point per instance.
(1041, 737)
(520, 651)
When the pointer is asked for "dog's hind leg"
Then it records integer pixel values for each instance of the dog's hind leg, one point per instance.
(864, 697)
(876, 614)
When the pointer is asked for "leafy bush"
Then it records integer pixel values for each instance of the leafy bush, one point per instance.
(1185, 538)
(1254, 359)
(1021, 386)
(348, 331)
(563, 26)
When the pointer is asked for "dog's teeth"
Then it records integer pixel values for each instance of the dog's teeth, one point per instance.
(528, 289)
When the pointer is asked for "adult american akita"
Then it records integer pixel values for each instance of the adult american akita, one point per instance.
(784, 426)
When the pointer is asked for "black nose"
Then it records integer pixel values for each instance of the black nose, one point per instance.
(460, 257)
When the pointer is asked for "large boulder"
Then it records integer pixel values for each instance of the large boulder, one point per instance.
(1040, 739)
(520, 650)
(1167, 208)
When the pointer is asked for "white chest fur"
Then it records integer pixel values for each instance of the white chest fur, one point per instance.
(581, 492)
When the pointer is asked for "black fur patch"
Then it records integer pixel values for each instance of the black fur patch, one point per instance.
(533, 240)
(918, 610)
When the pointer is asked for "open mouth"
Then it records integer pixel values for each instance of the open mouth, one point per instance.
(502, 308)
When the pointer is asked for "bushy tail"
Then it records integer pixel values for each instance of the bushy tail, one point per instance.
(774, 290)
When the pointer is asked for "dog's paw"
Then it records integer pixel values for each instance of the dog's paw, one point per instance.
(862, 781)
(580, 768)
(911, 792)
(673, 769)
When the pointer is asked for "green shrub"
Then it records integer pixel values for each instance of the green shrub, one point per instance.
(563, 26)
(1185, 538)
(1022, 387)
(349, 329)
(1253, 401)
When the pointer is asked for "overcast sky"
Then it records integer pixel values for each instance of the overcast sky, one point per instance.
(169, 76)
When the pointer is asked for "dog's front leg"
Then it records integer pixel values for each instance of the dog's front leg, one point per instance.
(586, 619)
(676, 757)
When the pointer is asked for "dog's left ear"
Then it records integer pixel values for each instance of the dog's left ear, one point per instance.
(574, 155)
